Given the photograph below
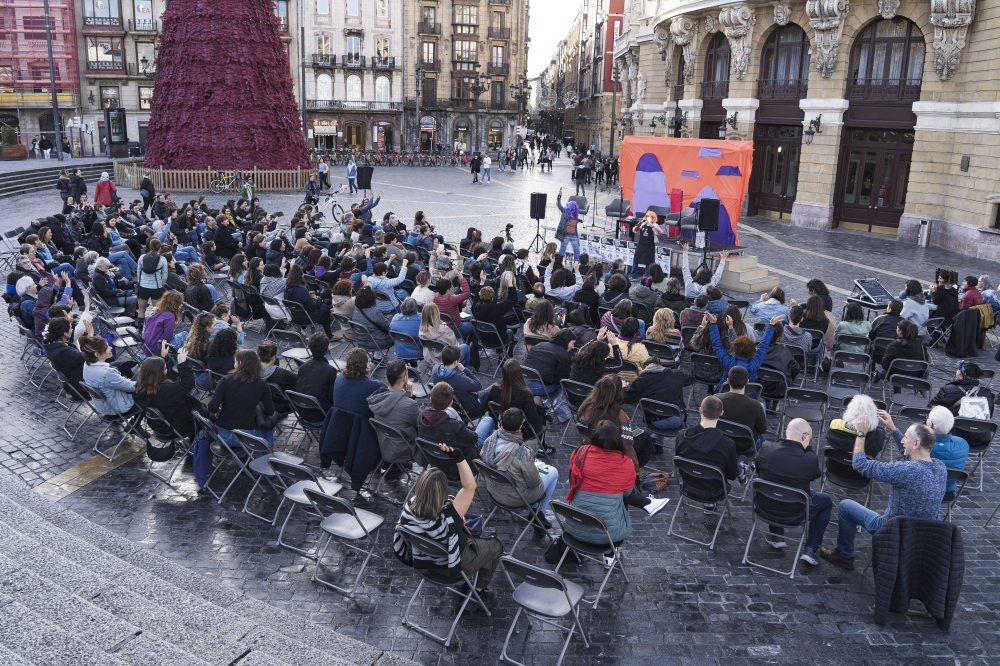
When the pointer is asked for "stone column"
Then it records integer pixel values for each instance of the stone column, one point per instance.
(745, 109)
(693, 109)
(814, 201)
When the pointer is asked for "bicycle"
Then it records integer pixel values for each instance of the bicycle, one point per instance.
(328, 205)
(224, 182)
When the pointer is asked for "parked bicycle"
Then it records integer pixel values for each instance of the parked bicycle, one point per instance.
(224, 182)
(327, 205)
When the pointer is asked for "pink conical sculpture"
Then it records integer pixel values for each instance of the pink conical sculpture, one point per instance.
(223, 93)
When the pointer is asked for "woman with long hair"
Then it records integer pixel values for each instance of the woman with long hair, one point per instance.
(854, 324)
(199, 337)
(221, 357)
(161, 322)
(907, 346)
(596, 359)
(153, 388)
(512, 391)
(376, 338)
(739, 326)
(664, 329)
(542, 323)
(237, 396)
(605, 404)
(673, 296)
(629, 340)
(547, 254)
(432, 328)
(318, 310)
(198, 294)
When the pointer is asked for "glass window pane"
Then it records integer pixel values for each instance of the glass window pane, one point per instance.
(875, 137)
(354, 88)
(779, 170)
(915, 68)
(902, 178)
(858, 135)
(353, 7)
(860, 72)
(885, 29)
(868, 179)
(896, 63)
(851, 181)
(793, 171)
(382, 8)
(888, 167)
(382, 89)
(768, 169)
(322, 6)
(878, 64)
(324, 87)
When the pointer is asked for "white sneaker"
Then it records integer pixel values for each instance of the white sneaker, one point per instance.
(809, 558)
(775, 542)
(608, 562)
(655, 505)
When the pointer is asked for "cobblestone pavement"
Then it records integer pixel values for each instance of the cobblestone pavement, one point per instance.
(684, 604)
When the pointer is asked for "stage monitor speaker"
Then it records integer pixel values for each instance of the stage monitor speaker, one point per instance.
(365, 174)
(538, 205)
(708, 216)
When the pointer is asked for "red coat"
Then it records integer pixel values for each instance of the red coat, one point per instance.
(104, 192)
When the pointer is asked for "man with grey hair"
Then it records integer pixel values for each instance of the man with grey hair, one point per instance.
(793, 462)
(917, 486)
(950, 449)
(104, 284)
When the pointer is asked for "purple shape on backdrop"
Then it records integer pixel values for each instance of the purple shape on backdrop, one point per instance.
(729, 171)
(709, 152)
(725, 232)
(650, 188)
(689, 174)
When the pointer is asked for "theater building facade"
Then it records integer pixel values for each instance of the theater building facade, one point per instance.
(876, 116)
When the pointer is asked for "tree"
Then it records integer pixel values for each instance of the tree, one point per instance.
(223, 90)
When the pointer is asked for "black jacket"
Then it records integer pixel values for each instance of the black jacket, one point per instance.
(495, 312)
(65, 188)
(787, 463)
(523, 400)
(286, 380)
(709, 446)
(884, 326)
(105, 287)
(842, 440)
(675, 302)
(147, 185)
(68, 360)
(964, 334)
(918, 559)
(431, 426)
(225, 245)
(913, 350)
(99, 244)
(197, 295)
(174, 400)
(552, 362)
(316, 378)
(467, 387)
(946, 300)
(592, 300)
(77, 186)
(658, 383)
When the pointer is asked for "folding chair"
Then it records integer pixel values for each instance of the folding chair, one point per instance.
(276, 310)
(741, 304)
(555, 300)
(259, 466)
(419, 544)
(309, 416)
(495, 477)
(405, 339)
(816, 415)
(490, 340)
(576, 393)
(435, 346)
(124, 339)
(816, 351)
(691, 470)
(838, 469)
(344, 322)
(772, 503)
(777, 382)
(76, 400)
(532, 340)
(162, 431)
(753, 389)
(342, 521)
(842, 385)
(852, 358)
(530, 374)
(387, 433)
(706, 369)
(376, 362)
(910, 415)
(902, 366)
(969, 428)
(960, 477)
(294, 309)
(654, 410)
(669, 356)
(595, 552)
(296, 350)
(802, 358)
(222, 449)
(616, 210)
(919, 398)
(127, 422)
(545, 596)
(296, 479)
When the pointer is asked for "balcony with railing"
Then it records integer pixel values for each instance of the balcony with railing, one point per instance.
(782, 89)
(499, 33)
(715, 89)
(324, 60)
(102, 23)
(346, 105)
(352, 61)
(429, 28)
(105, 66)
(143, 25)
(384, 63)
(883, 90)
(463, 103)
(498, 69)
(430, 65)
(135, 69)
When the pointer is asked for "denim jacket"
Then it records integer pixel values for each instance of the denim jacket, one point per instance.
(107, 381)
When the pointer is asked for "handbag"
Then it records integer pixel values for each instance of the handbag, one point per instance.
(144, 194)
(974, 406)
(474, 524)
(265, 423)
(201, 458)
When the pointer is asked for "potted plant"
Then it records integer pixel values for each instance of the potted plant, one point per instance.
(10, 147)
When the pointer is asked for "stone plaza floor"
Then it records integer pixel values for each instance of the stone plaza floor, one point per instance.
(684, 604)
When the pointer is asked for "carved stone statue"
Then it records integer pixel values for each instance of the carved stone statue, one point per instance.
(623, 79)
(951, 20)
(738, 22)
(887, 8)
(665, 47)
(640, 94)
(685, 32)
(826, 17)
(782, 13)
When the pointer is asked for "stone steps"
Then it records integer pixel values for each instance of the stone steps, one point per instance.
(71, 592)
(37, 180)
(744, 275)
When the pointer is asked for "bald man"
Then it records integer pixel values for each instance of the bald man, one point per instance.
(793, 462)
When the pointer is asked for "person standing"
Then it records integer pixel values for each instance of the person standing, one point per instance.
(352, 175)
(567, 232)
(474, 167)
(324, 174)
(645, 247)
(78, 186)
(67, 150)
(487, 163)
(147, 191)
(46, 146)
(34, 147)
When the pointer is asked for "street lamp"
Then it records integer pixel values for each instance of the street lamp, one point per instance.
(652, 121)
(677, 122)
(813, 129)
(520, 92)
(731, 121)
(144, 64)
(480, 84)
(418, 75)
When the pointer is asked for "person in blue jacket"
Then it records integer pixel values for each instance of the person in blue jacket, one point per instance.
(366, 208)
(352, 176)
(950, 449)
(742, 352)
(408, 321)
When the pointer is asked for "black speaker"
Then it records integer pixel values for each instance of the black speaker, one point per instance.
(538, 205)
(708, 216)
(365, 174)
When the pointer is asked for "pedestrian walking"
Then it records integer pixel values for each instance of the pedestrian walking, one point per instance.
(352, 175)
(46, 146)
(487, 163)
(474, 167)
(147, 192)
(34, 147)
(324, 174)
(67, 150)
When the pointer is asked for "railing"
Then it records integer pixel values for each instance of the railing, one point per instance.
(885, 90)
(142, 25)
(135, 69)
(345, 105)
(431, 65)
(500, 2)
(324, 60)
(782, 89)
(428, 101)
(499, 33)
(429, 28)
(463, 103)
(283, 24)
(384, 63)
(352, 61)
(102, 22)
(32, 99)
(715, 89)
(129, 173)
(500, 70)
(105, 66)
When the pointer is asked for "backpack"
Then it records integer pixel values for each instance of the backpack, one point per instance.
(150, 262)
(14, 306)
(974, 406)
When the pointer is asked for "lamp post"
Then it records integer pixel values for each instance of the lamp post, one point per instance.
(52, 82)
(480, 84)
(144, 64)
(520, 92)
(418, 76)
(614, 120)
(652, 121)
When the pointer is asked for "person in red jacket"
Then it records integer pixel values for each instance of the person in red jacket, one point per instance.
(105, 193)
(451, 304)
(972, 296)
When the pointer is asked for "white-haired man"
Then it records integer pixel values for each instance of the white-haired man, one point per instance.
(950, 449)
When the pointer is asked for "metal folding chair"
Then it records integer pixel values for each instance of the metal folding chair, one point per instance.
(387, 433)
(228, 453)
(772, 502)
(595, 552)
(260, 453)
(707, 370)
(76, 400)
(691, 470)
(296, 479)
(495, 477)
(309, 417)
(986, 431)
(127, 422)
(959, 477)
(838, 469)
(799, 410)
(342, 521)
(295, 351)
(576, 393)
(919, 398)
(376, 362)
(490, 340)
(162, 431)
(406, 339)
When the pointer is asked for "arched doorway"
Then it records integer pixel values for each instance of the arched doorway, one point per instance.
(47, 128)
(495, 138)
(887, 67)
(354, 136)
(382, 131)
(428, 133)
(714, 86)
(784, 80)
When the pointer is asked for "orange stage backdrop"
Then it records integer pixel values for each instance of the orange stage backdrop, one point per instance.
(652, 169)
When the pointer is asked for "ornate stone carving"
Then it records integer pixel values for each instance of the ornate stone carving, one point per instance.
(887, 8)
(951, 20)
(632, 59)
(640, 94)
(623, 79)
(738, 22)
(685, 32)
(709, 24)
(826, 17)
(781, 13)
(665, 47)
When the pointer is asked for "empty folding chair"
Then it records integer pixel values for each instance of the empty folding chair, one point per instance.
(902, 366)
(842, 385)
(979, 434)
(919, 398)
(162, 431)
(259, 466)
(495, 477)
(545, 596)
(847, 358)
(127, 422)
(342, 521)
(701, 484)
(603, 551)
(805, 404)
(959, 477)
(490, 340)
(576, 393)
(398, 452)
(76, 401)
(292, 347)
(706, 370)
(309, 418)
(296, 479)
(780, 506)
(430, 549)
(654, 411)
